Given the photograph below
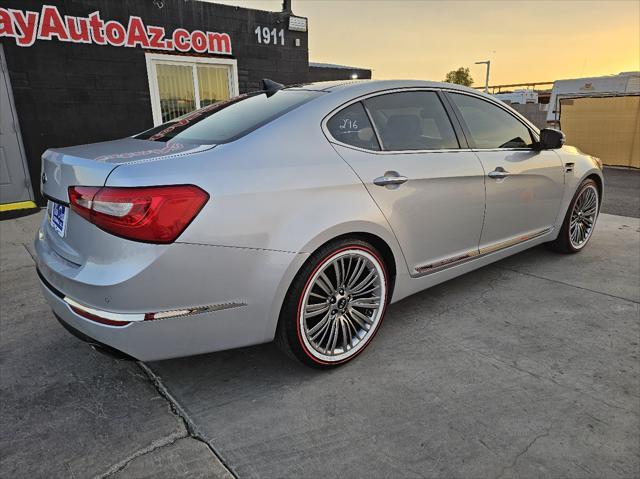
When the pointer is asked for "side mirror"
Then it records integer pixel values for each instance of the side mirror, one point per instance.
(551, 139)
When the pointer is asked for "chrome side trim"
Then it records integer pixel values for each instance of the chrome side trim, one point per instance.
(447, 262)
(514, 241)
(475, 254)
(404, 152)
(120, 317)
(139, 317)
(188, 312)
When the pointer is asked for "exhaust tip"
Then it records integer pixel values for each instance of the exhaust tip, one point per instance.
(96, 345)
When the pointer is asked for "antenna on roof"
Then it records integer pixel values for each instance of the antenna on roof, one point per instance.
(270, 86)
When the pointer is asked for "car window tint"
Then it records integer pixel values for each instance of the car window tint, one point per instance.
(227, 121)
(351, 125)
(491, 126)
(413, 120)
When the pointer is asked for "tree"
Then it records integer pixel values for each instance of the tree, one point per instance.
(461, 76)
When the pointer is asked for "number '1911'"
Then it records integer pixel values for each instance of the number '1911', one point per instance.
(268, 36)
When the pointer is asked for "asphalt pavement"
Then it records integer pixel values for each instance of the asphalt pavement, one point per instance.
(622, 192)
(526, 368)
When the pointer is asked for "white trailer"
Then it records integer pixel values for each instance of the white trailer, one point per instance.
(625, 83)
(518, 97)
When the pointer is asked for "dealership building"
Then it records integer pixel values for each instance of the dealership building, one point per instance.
(75, 72)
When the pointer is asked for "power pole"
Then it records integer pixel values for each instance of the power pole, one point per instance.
(486, 82)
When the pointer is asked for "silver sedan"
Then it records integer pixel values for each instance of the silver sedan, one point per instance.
(298, 214)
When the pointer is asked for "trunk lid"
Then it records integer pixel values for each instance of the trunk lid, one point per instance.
(90, 165)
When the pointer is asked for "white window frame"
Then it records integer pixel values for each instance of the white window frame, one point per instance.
(154, 59)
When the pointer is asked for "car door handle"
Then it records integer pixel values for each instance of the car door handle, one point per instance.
(389, 180)
(498, 173)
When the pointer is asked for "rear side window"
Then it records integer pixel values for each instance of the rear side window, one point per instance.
(351, 126)
(491, 126)
(226, 121)
(414, 120)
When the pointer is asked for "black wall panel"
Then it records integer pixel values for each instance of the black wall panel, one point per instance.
(327, 73)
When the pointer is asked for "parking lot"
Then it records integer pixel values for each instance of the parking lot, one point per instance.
(527, 368)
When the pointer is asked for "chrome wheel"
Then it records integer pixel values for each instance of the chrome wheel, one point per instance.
(342, 304)
(583, 217)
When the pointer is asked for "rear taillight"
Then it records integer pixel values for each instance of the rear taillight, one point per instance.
(154, 214)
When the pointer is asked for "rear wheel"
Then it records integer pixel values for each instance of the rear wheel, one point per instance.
(335, 304)
(580, 219)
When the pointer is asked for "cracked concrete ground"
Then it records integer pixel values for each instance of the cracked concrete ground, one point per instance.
(67, 411)
(526, 368)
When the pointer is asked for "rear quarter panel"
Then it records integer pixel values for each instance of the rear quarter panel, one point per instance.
(277, 188)
(281, 188)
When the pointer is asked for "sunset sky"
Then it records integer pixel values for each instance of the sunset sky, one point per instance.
(420, 39)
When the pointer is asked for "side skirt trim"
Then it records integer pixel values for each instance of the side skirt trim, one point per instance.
(447, 263)
(475, 254)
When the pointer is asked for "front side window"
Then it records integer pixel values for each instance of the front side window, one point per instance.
(351, 126)
(227, 121)
(413, 120)
(491, 126)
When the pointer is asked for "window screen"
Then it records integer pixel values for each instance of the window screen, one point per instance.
(351, 126)
(414, 120)
(491, 126)
(213, 84)
(176, 90)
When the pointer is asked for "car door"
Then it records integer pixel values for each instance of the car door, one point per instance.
(406, 151)
(524, 186)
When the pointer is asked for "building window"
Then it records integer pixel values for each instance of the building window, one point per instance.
(181, 84)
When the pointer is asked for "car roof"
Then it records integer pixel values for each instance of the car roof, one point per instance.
(338, 93)
(363, 87)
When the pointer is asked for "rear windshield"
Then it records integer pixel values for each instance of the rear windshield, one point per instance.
(229, 120)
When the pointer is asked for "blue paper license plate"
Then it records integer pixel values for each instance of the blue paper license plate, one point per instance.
(58, 217)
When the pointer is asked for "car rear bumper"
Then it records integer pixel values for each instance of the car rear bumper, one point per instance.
(208, 298)
(152, 340)
(97, 345)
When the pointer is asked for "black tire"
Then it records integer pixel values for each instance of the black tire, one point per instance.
(562, 244)
(289, 336)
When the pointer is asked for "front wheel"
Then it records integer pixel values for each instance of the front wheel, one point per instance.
(580, 219)
(335, 304)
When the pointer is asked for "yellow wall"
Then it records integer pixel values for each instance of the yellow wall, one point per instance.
(607, 127)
